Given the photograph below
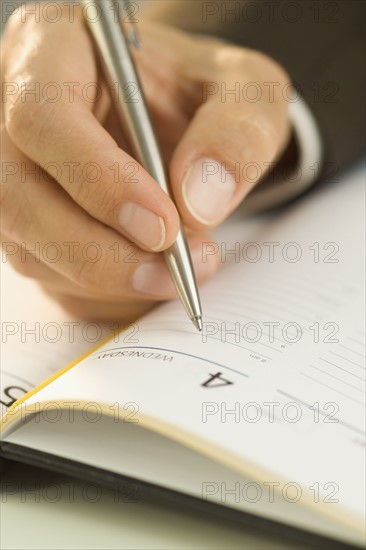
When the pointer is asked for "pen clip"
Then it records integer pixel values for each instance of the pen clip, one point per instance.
(133, 36)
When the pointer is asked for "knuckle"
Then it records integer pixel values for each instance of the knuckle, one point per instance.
(269, 67)
(88, 275)
(30, 13)
(28, 119)
(94, 190)
(81, 189)
(16, 18)
(94, 196)
(108, 201)
(14, 110)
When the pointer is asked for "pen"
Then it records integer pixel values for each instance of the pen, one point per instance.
(113, 44)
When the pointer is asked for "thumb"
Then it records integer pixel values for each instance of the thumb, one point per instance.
(225, 151)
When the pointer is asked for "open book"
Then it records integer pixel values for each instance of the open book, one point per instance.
(260, 415)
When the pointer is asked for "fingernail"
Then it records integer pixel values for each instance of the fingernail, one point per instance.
(142, 225)
(153, 277)
(208, 189)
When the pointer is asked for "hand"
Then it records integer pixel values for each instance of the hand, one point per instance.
(79, 214)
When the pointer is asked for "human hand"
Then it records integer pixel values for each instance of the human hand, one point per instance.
(72, 194)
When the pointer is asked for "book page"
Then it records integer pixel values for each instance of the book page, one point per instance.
(273, 386)
(144, 455)
(37, 336)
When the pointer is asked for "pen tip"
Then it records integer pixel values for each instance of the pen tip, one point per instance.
(197, 321)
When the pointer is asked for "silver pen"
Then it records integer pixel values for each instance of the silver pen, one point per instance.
(113, 44)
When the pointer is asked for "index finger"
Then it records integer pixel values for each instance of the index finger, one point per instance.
(64, 137)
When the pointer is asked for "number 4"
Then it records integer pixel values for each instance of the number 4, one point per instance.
(216, 380)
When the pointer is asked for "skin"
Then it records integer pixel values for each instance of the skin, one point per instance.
(51, 206)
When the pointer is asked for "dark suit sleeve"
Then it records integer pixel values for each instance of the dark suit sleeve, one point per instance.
(320, 43)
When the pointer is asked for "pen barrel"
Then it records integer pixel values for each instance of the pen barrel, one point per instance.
(178, 260)
(131, 108)
(126, 90)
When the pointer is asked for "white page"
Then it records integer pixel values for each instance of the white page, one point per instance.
(144, 455)
(164, 370)
(37, 336)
